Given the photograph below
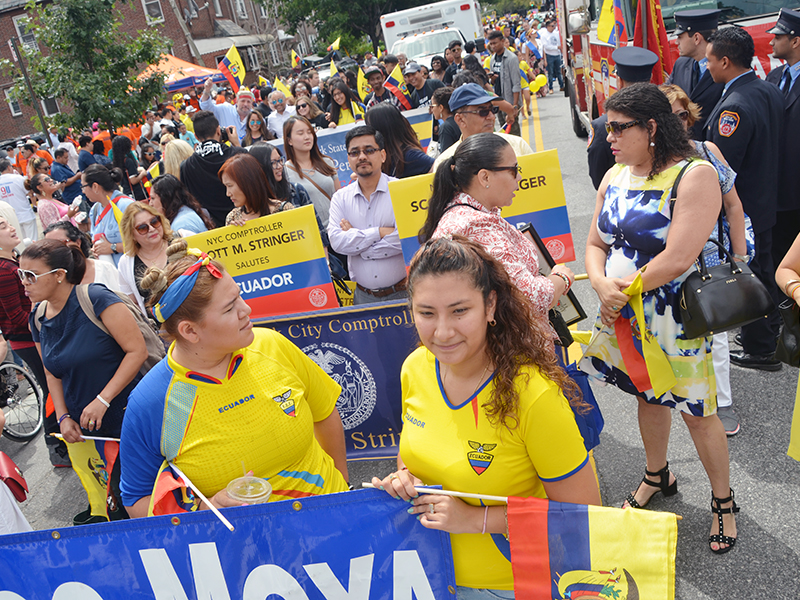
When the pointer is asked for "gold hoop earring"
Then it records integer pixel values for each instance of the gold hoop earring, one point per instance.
(492, 323)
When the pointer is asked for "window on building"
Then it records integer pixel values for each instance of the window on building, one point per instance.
(217, 8)
(263, 11)
(301, 48)
(252, 57)
(50, 107)
(152, 11)
(274, 55)
(25, 35)
(13, 104)
(241, 8)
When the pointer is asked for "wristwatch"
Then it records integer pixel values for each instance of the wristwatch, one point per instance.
(114, 248)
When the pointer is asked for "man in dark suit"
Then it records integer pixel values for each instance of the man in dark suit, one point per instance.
(633, 65)
(690, 73)
(746, 125)
(786, 45)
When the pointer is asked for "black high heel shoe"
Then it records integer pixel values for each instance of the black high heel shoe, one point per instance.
(664, 486)
(721, 538)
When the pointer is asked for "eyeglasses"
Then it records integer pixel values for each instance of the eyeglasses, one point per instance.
(31, 277)
(368, 151)
(514, 169)
(85, 185)
(683, 115)
(143, 228)
(277, 163)
(302, 106)
(255, 122)
(278, 101)
(482, 113)
(617, 128)
(149, 153)
(47, 180)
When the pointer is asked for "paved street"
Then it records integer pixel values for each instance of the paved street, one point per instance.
(766, 561)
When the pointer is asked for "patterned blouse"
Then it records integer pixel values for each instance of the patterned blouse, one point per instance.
(468, 217)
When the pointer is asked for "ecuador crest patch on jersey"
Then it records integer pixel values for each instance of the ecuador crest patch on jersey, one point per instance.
(728, 122)
(286, 403)
(480, 459)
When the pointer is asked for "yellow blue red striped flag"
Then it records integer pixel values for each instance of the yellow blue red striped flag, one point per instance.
(233, 68)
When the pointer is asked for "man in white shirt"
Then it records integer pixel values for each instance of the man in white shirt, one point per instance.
(228, 114)
(12, 190)
(281, 113)
(551, 41)
(362, 224)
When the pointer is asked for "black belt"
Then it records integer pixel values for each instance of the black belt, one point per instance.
(400, 286)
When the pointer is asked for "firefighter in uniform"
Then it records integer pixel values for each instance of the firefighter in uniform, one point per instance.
(690, 73)
(786, 45)
(746, 125)
(633, 65)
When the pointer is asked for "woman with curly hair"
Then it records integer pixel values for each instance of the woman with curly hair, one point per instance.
(495, 405)
(640, 222)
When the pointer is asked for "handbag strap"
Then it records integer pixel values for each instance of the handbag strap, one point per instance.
(314, 183)
(674, 194)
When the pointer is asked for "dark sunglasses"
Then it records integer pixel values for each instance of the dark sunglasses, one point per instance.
(302, 106)
(617, 128)
(143, 228)
(484, 112)
(368, 151)
(514, 169)
(683, 115)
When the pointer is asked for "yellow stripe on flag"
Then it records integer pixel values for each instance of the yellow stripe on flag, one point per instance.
(278, 85)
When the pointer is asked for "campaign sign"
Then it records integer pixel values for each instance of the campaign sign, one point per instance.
(277, 261)
(540, 201)
(359, 544)
(362, 348)
(331, 141)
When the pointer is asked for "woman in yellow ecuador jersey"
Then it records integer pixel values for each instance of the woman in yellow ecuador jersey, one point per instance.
(485, 410)
(226, 395)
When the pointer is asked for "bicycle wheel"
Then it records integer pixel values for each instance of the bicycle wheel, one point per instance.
(21, 401)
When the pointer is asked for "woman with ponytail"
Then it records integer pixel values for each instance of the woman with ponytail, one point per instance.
(89, 373)
(101, 186)
(253, 396)
(469, 190)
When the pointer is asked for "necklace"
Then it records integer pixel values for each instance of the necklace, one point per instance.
(477, 385)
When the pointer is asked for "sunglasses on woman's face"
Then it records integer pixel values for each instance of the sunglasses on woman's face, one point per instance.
(143, 228)
(31, 277)
(617, 128)
(302, 106)
(255, 122)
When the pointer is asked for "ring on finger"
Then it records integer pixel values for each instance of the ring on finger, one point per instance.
(615, 308)
(432, 509)
(392, 477)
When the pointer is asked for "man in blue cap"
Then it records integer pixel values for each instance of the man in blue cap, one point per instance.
(786, 46)
(633, 65)
(746, 125)
(690, 73)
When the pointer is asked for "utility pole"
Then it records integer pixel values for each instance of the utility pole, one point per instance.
(18, 55)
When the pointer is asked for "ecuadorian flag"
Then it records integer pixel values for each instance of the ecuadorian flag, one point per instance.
(396, 84)
(233, 68)
(295, 59)
(611, 25)
(561, 551)
(363, 87)
(172, 493)
(93, 461)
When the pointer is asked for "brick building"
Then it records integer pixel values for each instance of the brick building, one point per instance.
(198, 34)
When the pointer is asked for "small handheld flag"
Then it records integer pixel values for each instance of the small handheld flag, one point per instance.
(396, 84)
(278, 85)
(334, 70)
(262, 81)
(363, 87)
(233, 68)
(295, 59)
(334, 45)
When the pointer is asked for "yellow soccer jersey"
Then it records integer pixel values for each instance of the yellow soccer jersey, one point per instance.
(262, 415)
(456, 447)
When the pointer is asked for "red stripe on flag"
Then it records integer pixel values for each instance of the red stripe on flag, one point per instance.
(286, 303)
(398, 94)
(229, 76)
(634, 361)
(530, 550)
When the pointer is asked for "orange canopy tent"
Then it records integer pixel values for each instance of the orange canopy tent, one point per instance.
(180, 75)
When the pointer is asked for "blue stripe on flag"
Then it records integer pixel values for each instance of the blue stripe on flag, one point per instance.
(284, 279)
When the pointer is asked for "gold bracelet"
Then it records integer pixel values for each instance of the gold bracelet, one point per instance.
(788, 283)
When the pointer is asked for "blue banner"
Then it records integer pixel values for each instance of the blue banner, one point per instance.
(360, 544)
(362, 349)
(331, 141)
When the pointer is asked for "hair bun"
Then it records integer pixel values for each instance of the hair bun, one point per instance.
(177, 250)
(154, 280)
(116, 174)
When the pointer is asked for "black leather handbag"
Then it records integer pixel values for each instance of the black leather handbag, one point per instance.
(722, 298)
(788, 348)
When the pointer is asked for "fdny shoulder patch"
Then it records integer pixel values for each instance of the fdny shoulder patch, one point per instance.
(728, 122)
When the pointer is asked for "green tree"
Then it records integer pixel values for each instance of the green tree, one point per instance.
(332, 17)
(90, 65)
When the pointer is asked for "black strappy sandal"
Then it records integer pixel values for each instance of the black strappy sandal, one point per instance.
(664, 486)
(721, 538)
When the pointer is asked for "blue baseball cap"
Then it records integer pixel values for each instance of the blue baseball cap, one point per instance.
(470, 94)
